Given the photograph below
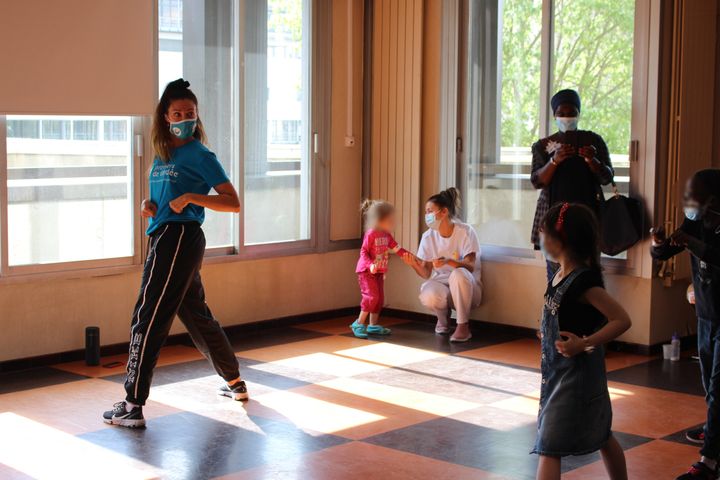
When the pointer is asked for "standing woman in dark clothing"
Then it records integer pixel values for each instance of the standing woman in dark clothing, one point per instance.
(183, 173)
(699, 234)
(570, 165)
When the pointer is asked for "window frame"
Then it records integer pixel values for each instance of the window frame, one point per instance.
(642, 132)
(9, 271)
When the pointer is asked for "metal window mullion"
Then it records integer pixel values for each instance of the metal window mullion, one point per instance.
(546, 62)
(3, 198)
(239, 116)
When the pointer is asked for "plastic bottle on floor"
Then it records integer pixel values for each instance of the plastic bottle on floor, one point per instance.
(675, 355)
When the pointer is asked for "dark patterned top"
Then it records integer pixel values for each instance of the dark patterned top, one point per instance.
(543, 151)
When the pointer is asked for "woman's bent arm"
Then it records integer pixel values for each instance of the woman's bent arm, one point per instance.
(225, 201)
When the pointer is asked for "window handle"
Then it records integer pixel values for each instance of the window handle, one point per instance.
(139, 146)
(316, 143)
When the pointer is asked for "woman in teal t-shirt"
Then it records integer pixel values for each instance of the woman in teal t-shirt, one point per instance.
(183, 173)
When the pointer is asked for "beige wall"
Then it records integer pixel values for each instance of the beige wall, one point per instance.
(346, 162)
(43, 317)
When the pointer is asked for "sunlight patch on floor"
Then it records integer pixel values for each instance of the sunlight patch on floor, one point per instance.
(43, 452)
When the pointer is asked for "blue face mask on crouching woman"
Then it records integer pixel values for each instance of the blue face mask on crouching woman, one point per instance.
(183, 130)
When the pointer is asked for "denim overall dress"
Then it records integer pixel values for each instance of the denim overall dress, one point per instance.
(575, 414)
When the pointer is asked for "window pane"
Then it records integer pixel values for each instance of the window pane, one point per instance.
(276, 156)
(68, 200)
(56, 129)
(196, 43)
(85, 129)
(23, 128)
(115, 130)
(503, 119)
(594, 55)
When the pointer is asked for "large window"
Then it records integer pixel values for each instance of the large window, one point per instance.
(542, 46)
(253, 87)
(69, 189)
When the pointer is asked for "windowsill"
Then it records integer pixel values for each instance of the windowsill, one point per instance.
(211, 258)
(529, 257)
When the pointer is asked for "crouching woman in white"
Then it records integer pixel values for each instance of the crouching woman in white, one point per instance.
(449, 257)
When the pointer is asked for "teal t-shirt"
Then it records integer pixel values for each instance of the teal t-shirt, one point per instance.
(192, 168)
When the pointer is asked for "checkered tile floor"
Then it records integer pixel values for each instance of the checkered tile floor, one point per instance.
(325, 405)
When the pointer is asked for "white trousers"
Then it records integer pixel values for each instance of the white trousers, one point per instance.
(460, 291)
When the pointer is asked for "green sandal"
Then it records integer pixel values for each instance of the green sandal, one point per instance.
(359, 329)
(378, 330)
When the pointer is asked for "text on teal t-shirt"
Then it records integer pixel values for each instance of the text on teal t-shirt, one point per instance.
(192, 168)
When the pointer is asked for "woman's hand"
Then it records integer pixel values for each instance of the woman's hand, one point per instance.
(411, 260)
(439, 262)
(148, 208)
(658, 235)
(570, 347)
(563, 153)
(679, 238)
(588, 153)
(179, 204)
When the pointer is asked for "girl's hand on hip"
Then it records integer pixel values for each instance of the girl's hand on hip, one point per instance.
(373, 268)
(179, 204)
(148, 208)
(570, 347)
(439, 262)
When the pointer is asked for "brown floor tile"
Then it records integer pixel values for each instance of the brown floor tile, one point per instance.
(315, 408)
(658, 459)
(651, 412)
(74, 407)
(618, 360)
(327, 344)
(357, 460)
(168, 356)
(338, 326)
(526, 353)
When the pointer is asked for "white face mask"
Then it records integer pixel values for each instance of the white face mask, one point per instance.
(566, 124)
(431, 220)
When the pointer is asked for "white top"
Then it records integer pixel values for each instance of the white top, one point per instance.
(457, 246)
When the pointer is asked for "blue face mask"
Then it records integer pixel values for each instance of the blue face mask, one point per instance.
(183, 130)
(432, 221)
(566, 124)
(692, 213)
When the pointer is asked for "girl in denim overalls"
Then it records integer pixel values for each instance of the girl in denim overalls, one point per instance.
(579, 317)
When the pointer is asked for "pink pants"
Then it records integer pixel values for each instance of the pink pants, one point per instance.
(372, 290)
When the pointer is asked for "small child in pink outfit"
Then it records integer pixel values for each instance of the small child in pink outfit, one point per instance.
(377, 245)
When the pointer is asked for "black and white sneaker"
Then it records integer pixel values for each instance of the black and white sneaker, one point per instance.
(120, 416)
(696, 435)
(236, 392)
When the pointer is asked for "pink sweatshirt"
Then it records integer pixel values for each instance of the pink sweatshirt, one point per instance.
(375, 249)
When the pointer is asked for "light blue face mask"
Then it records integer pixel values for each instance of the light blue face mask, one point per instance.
(692, 212)
(566, 124)
(183, 130)
(545, 253)
(431, 220)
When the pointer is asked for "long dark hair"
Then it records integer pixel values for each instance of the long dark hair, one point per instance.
(161, 136)
(576, 228)
(449, 199)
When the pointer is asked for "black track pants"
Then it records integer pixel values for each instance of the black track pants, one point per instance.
(171, 285)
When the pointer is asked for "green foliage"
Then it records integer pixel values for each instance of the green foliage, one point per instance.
(593, 53)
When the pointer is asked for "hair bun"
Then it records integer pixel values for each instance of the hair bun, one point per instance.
(179, 84)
